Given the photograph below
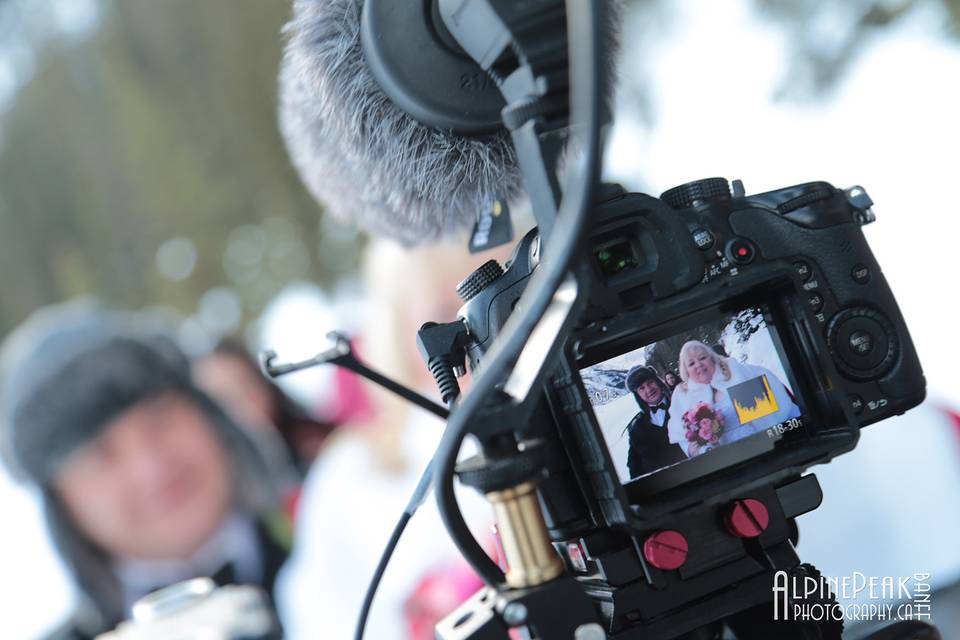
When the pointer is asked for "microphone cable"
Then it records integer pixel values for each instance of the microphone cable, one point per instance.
(583, 29)
(416, 500)
(586, 73)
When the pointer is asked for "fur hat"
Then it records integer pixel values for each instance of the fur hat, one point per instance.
(638, 375)
(81, 392)
(66, 373)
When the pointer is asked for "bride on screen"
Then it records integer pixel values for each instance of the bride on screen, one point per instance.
(710, 378)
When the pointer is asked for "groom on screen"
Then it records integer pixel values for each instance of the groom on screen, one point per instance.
(649, 446)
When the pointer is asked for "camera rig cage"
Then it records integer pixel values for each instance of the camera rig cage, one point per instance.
(651, 551)
(678, 551)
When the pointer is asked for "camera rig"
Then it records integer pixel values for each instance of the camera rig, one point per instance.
(692, 548)
(678, 549)
(681, 547)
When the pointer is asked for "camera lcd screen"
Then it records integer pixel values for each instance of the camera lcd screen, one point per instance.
(719, 388)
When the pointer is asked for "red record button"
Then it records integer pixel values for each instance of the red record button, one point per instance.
(741, 251)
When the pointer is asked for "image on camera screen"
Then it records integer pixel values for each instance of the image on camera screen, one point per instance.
(691, 393)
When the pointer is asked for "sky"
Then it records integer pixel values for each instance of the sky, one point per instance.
(891, 126)
(39, 23)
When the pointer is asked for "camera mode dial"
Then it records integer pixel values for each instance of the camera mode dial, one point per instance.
(697, 192)
(862, 342)
(479, 280)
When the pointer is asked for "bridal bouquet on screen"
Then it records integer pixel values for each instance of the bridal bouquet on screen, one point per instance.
(704, 426)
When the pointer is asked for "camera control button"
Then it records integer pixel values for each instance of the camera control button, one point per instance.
(861, 274)
(861, 342)
(816, 302)
(703, 238)
(803, 269)
(484, 276)
(741, 251)
(696, 193)
(856, 403)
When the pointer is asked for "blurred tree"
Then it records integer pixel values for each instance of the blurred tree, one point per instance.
(826, 37)
(664, 355)
(160, 125)
(140, 159)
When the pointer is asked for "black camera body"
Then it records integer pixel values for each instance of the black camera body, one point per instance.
(785, 276)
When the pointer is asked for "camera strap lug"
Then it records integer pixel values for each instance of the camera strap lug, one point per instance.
(862, 205)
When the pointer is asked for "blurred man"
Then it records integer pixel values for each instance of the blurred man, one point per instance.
(146, 481)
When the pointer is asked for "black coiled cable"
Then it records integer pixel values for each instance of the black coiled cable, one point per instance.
(583, 25)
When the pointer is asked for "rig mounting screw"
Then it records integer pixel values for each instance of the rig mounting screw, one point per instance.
(515, 614)
(591, 631)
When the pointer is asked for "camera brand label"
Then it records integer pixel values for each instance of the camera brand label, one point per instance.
(493, 227)
(858, 597)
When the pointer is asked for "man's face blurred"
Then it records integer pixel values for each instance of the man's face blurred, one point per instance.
(155, 484)
(649, 392)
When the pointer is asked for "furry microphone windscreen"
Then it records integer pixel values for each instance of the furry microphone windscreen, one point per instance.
(367, 161)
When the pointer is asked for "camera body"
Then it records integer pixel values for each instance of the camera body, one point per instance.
(817, 349)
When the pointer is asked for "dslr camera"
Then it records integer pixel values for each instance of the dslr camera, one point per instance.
(782, 339)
